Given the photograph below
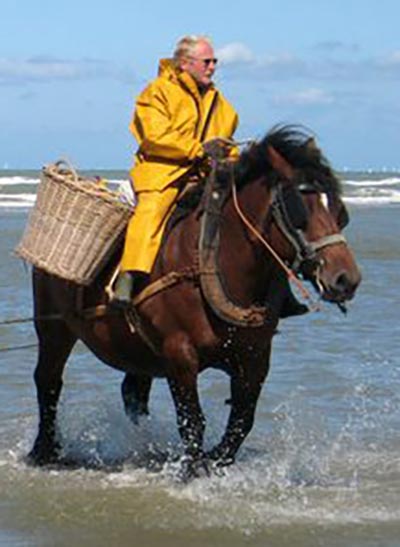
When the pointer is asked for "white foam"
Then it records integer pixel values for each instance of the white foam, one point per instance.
(18, 197)
(384, 182)
(372, 200)
(359, 192)
(17, 200)
(17, 180)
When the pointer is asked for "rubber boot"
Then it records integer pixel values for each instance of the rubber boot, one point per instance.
(123, 289)
(128, 285)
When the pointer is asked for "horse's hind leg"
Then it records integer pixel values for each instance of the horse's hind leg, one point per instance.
(55, 344)
(135, 391)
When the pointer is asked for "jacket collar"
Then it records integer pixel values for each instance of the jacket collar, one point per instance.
(168, 69)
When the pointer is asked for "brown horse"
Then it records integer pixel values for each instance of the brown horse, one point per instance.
(223, 318)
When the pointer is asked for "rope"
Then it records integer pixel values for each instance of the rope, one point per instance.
(50, 317)
(12, 348)
(290, 274)
(13, 321)
(21, 320)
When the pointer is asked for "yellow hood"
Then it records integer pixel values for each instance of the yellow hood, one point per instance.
(168, 124)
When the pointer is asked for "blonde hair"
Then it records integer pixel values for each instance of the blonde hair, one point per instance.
(186, 46)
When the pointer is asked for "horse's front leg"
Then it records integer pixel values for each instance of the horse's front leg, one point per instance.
(182, 378)
(246, 385)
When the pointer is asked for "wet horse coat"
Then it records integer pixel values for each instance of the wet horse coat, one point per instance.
(285, 173)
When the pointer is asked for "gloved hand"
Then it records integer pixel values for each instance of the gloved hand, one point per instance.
(216, 148)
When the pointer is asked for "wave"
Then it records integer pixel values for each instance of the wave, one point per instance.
(384, 182)
(381, 193)
(18, 180)
(372, 200)
(19, 191)
(34, 181)
(17, 200)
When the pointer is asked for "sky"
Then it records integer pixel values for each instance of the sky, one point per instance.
(70, 72)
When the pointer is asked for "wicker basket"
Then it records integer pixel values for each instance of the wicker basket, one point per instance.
(74, 225)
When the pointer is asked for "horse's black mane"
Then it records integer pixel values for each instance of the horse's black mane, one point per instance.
(296, 144)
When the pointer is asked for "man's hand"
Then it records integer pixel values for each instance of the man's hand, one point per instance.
(216, 149)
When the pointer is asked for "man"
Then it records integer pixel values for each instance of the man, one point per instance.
(177, 122)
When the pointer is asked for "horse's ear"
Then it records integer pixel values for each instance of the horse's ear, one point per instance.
(279, 163)
(312, 147)
(311, 144)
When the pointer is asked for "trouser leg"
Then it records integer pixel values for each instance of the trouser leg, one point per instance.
(146, 228)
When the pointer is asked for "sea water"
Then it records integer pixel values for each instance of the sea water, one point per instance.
(321, 466)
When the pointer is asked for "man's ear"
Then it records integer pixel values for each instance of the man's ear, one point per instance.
(279, 163)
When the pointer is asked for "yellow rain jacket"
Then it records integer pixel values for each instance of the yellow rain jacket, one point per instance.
(169, 126)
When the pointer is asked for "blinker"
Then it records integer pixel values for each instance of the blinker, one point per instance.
(294, 207)
(343, 217)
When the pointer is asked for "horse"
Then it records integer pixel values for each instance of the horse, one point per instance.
(279, 205)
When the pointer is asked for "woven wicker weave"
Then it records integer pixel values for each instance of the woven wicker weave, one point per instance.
(74, 225)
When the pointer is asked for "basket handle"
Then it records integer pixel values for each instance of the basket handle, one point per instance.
(65, 162)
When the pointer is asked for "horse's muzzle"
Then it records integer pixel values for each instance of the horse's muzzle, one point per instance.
(340, 287)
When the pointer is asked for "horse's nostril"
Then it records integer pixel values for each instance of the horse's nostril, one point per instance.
(345, 285)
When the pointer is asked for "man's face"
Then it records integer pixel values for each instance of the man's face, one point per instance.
(201, 64)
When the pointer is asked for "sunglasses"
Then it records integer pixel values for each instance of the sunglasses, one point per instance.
(206, 62)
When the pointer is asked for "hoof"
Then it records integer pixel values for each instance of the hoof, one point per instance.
(219, 459)
(194, 468)
(44, 455)
(136, 411)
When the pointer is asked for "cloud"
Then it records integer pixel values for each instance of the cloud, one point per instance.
(392, 59)
(235, 53)
(283, 66)
(240, 63)
(27, 96)
(238, 54)
(305, 97)
(336, 46)
(47, 69)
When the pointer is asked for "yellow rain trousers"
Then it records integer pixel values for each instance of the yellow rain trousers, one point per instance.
(146, 228)
(170, 122)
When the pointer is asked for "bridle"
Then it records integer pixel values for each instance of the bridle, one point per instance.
(306, 261)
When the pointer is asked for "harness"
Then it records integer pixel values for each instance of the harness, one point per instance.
(209, 274)
(205, 271)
